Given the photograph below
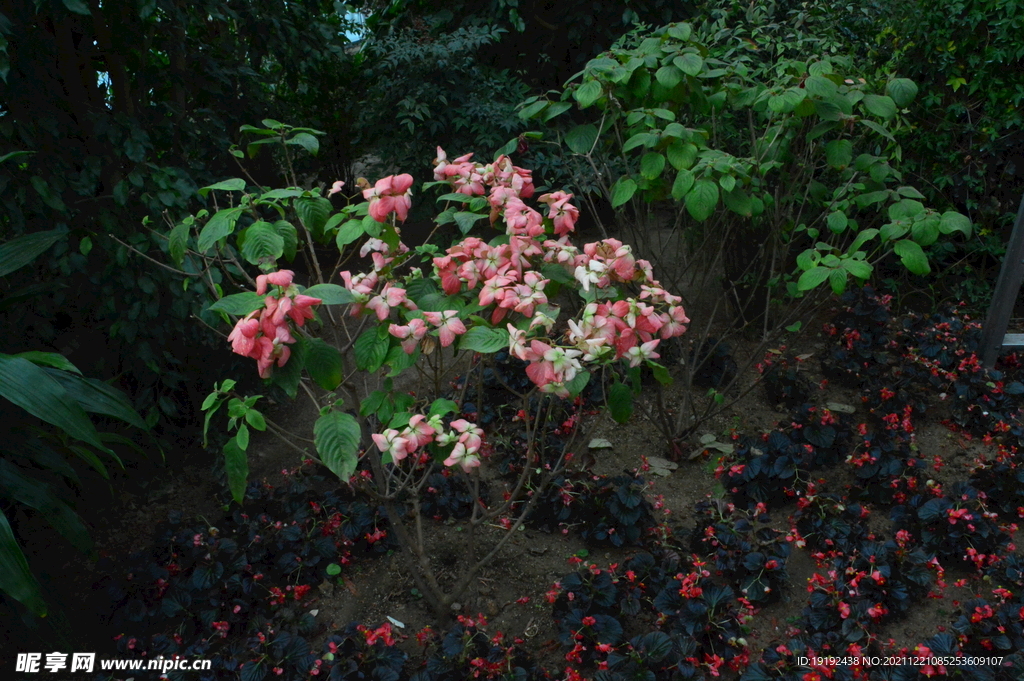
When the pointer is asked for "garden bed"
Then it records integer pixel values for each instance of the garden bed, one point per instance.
(860, 503)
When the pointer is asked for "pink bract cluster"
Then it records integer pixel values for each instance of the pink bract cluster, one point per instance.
(421, 431)
(264, 334)
(506, 280)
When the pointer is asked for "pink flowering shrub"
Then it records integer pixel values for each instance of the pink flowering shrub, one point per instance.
(481, 295)
(504, 284)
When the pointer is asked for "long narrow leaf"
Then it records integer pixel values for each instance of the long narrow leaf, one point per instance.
(16, 579)
(98, 398)
(38, 495)
(32, 389)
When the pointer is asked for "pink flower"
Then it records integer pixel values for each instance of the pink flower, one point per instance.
(243, 337)
(279, 278)
(335, 188)
(302, 308)
(390, 195)
(391, 442)
(562, 213)
(448, 325)
(419, 431)
(412, 333)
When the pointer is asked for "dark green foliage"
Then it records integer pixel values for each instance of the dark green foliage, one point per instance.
(122, 110)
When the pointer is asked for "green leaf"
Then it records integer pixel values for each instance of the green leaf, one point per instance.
(651, 165)
(902, 91)
(837, 280)
(465, 220)
(880, 105)
(912, 256)
(681, 154)
(669, 76)
(351, 231)
(588, 93)
(954, 222)
(236, 465)
(239, 304)
(812, 278)
(680, 31)
(236, 184)
(863, 237)
(289, 193)
(555, 109)
(689, 63)
(532, 109)
(332, 570)
(839, 153)
(399, 360)
(370, 350)
(620, 402)
(738, 201)
(442, 407)
(660, 373)
(336, 435)
(581, 139)
(32, 389)
(909, 192)
(877, 128)
(36, 494)
(330, 294)
(16, 578)
(307, 142)
(578, 383)
(837, 221)
(684, 180)
(702, 199)
(255, 419)
(727, 183)
(96, 397)
(78, 7)
(49, 359)
(509, 147)
(857, 268)
(242, 437)
(177, 242)
(22, 250)
(641, 139)
(787, 100)
(905, 209)
(314, 211)
(482, 339)
(323, 362)
(623, 191)
(291, 238)
(819, 86)
(262, 243)
(220, 225)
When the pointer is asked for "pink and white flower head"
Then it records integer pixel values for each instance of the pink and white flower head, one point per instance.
(639, 354)
(281, 278)
(335, 188)
(392, 442)
(243, 336)
(562, 213)
(419, 431)
(390, 195)
(470, 438)
(411, 334)
(448, 325)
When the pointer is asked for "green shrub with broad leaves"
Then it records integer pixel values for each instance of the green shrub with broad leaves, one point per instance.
(45, 407)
